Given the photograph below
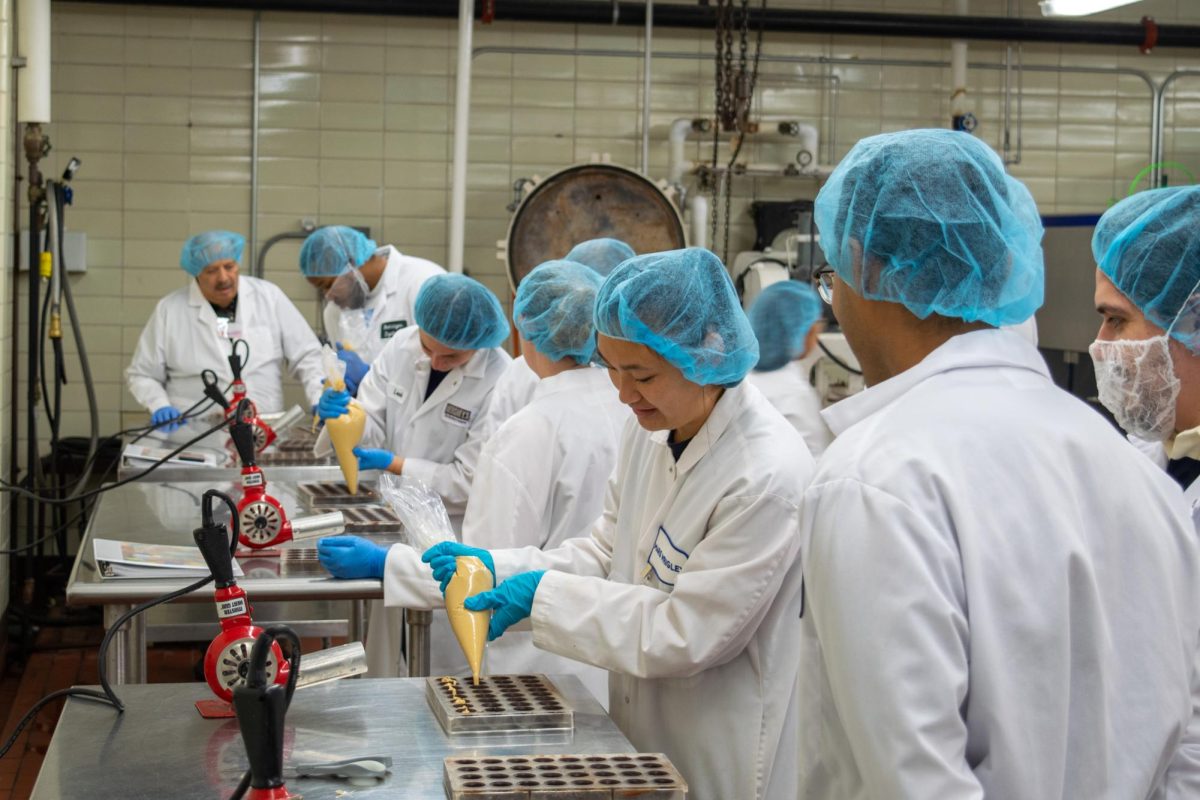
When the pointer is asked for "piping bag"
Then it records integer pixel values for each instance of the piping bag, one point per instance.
(344, 432)
(426, 523)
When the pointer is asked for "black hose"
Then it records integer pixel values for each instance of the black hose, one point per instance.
(107, 695)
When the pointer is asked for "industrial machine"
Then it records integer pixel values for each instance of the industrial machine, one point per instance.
(587, 201)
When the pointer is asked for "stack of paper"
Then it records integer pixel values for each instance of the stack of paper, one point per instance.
(115, 559)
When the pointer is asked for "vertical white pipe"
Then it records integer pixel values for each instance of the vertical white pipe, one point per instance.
(958, 69)
(33, 80)
(462, 121)
(699, 220)
(646, 58)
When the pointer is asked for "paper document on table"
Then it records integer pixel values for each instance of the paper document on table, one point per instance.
(116, 559)
(186, 458)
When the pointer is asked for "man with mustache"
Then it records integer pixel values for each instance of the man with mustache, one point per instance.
(193, 329)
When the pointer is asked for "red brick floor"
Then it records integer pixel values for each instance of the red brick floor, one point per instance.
(67, 657)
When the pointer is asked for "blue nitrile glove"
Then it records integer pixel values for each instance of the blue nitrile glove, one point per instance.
(164, 419)
(441, 559)
(372, 458)
(511, 601)
(351, 557)
(356, 368)
(333, 403)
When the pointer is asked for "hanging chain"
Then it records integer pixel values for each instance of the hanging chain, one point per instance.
(734, 98)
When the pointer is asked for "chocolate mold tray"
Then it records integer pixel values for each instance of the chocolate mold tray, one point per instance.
(645, 776)
(335, 494)
(499, 704)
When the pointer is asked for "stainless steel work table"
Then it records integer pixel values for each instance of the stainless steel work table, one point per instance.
(167, 513)
(214, 445)
(160, 747)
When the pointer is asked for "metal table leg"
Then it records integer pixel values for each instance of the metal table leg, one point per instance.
(126, 660)
(358, 621)
(418, 642)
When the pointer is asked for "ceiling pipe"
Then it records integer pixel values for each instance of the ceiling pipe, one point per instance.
(679, 15)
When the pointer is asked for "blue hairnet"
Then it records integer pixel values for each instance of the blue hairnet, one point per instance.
(460, 312)
(937, 225)
(681, 305)
(204, 248)
(602, 255)
(781, 318)
(553, 310)
(1149, 247)
(330, 251)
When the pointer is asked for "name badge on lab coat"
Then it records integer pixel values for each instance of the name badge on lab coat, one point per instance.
(388, 329)
(397, 393)
(666, 560)
(229, 328)
(456, 415)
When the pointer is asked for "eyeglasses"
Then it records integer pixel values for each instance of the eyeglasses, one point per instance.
(823, 278)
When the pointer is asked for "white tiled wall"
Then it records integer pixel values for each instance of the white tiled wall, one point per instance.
(356, 116)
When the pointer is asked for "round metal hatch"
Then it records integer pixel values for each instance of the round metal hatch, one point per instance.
(588, 201)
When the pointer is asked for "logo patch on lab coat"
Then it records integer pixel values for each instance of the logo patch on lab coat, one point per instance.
(458, 416)
(388, 329)
(665, 559)
(396, 392)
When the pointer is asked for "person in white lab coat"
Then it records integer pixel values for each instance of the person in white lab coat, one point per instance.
(687, 588)
(541, 478)
(1002, 597)
(1147, 353)
(370, 292)
(193, 328)
(515, 388)
(423, 396)
(786, 319)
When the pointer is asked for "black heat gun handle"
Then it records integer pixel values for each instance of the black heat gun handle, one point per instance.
(242, 433)
(236, 358)
(214, 542)
(261, 708)
(212, 390)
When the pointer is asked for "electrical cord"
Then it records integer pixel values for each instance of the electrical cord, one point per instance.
(5, 486)
(107, 695)
(829, 354)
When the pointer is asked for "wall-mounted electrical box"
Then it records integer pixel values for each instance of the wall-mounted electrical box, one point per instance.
(74, 243)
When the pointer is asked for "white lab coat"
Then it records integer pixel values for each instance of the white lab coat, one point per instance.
(428, 434)
(540, 481)
(514, 390)
(1003, 599)
(184, 337)
(432, 436)
(789, 390)
(703, 670)
(1157, 452)
(390, 304)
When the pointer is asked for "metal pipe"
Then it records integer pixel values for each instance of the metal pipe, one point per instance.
(680, 15)
(462, 134)
(647, 57)
(1158, 123)
(254, 125)
(260, 262)
(830, 61)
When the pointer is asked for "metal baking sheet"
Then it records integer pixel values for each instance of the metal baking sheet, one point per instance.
(371, 519)
(499, 704)
(335, 494)
(646, 776)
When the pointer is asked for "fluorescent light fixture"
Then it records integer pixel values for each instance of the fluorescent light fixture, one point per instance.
(1079, 8)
